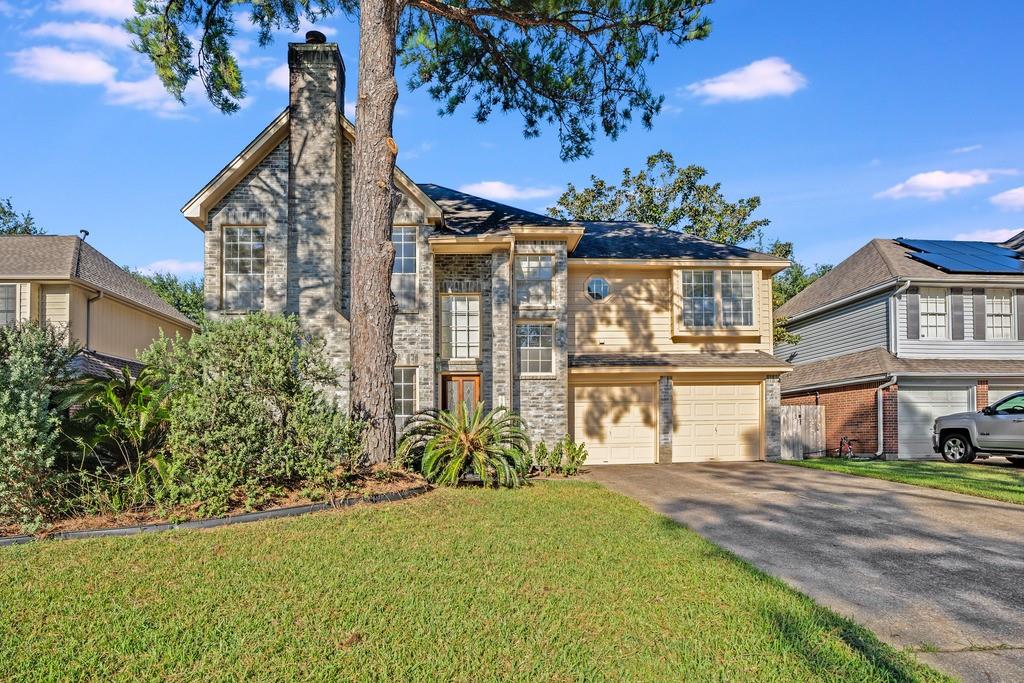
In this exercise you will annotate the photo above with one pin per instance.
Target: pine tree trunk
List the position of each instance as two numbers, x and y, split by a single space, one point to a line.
373 198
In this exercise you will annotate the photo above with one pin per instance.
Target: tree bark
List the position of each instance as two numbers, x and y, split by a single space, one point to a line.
373 207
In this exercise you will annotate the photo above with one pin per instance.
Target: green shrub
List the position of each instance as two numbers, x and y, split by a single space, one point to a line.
34 367
566 457
447 446
247 415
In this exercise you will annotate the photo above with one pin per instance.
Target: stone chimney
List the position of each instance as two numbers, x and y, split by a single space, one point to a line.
316 90
317 244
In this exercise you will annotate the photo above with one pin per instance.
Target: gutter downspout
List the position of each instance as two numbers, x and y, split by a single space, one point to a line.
88 317
880 402
894 319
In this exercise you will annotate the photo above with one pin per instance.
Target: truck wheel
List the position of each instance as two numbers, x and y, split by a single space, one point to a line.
957 448
1016 462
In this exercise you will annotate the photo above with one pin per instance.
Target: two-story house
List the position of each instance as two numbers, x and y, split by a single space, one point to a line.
904 331
648 345
63 281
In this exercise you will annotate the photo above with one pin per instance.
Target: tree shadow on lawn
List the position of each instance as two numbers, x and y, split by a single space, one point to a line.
831 646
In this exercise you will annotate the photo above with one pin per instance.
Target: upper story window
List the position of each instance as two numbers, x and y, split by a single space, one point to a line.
244 263
460 326
998 314
535 342
8 304
598 289
699 303
533 279
737 298
403 275
405 395
933 312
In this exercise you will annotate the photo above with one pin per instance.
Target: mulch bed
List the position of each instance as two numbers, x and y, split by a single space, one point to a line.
370 487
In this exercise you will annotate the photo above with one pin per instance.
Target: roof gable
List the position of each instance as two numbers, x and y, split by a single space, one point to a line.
198 207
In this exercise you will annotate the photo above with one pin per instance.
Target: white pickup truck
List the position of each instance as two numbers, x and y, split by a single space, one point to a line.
995 430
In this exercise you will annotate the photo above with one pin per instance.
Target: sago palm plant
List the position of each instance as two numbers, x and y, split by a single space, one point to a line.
449 445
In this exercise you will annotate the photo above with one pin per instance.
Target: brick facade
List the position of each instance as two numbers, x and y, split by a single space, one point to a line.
981 394
849 411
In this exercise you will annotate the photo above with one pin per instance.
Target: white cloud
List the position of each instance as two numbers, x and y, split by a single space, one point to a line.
278 77
85 31
994 235
8 9
416 151
174 267
1011 199
350 110
111 9
54 65
769 77
935 185
496 189
965 150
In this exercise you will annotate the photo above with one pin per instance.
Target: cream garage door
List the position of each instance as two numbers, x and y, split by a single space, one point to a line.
618 423
716 422
918 408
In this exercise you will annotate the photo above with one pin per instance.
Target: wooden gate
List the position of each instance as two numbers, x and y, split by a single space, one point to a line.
803 432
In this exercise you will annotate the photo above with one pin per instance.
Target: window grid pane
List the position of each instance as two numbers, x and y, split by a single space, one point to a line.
737 298
998 314
403 274
698 298
8 304
598 289
460 326
535 343
244 263
405 395
933 313
533 279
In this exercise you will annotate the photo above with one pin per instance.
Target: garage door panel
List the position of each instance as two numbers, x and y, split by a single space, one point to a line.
618 423
918 407
716 422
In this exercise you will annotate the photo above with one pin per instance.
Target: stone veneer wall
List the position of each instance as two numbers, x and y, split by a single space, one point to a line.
415 343
466 274
772 417
544 401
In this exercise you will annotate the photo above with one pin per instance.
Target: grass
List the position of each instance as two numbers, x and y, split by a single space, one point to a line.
986 481
559 581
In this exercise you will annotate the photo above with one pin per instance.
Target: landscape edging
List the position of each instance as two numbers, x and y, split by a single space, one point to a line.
245 517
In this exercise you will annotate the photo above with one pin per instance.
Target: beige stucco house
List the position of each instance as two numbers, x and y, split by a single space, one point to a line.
648 345
64 281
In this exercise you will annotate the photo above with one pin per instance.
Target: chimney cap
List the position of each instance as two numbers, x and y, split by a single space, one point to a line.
315 38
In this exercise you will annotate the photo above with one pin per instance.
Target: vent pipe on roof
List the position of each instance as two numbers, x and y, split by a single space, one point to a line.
83 233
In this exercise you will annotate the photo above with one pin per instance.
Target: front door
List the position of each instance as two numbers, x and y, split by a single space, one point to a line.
458 389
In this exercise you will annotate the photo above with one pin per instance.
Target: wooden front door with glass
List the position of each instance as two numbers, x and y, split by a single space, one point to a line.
460 389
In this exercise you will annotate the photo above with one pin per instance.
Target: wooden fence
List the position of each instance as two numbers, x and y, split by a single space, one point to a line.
803 432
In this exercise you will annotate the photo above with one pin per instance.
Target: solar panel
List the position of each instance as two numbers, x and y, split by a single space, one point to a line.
966 257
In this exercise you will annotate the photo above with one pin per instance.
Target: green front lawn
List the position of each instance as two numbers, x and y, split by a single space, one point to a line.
987 481
559 581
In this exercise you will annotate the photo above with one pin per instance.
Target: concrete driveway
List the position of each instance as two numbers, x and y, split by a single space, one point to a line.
940 573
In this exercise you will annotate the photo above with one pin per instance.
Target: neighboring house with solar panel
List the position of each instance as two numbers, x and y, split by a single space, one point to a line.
904 331
64 281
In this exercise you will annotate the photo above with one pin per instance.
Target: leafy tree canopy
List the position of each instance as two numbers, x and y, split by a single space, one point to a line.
185 295
13 223
565 63
666 195
797 278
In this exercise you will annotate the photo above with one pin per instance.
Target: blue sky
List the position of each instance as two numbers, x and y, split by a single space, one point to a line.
851 121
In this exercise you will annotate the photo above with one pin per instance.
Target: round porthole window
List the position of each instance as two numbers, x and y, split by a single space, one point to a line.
597 288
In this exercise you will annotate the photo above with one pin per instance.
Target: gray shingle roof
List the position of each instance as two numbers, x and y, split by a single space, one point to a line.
65 257
754 359
627 240
467 214
877 262
101 365
878 362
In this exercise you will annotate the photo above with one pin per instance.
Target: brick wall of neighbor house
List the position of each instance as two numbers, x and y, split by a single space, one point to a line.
981 394
543 401
849 411
466 274
890 421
